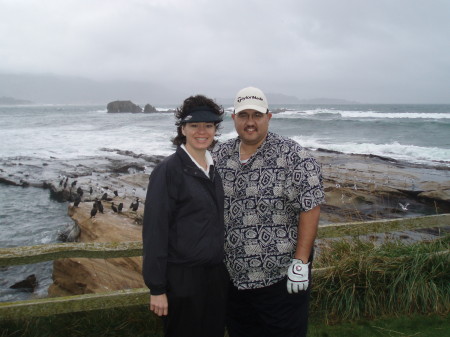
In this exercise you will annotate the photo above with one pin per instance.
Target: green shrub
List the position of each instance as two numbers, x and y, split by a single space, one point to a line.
370 280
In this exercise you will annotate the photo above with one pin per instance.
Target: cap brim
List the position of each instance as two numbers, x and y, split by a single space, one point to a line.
251 107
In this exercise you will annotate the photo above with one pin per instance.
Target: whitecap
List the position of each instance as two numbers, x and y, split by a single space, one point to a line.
361 114
394 150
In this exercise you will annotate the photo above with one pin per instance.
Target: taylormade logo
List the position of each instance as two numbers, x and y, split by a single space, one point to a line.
240 99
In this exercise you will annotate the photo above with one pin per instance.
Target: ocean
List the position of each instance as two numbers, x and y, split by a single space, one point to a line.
413 133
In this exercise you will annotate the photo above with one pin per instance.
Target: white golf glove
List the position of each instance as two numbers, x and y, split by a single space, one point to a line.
297 276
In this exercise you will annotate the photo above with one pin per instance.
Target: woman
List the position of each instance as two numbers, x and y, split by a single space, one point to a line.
183 232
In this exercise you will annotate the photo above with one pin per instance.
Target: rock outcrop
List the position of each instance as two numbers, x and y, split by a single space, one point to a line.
128 106
149 108
27 285
72 276
123 106
360 188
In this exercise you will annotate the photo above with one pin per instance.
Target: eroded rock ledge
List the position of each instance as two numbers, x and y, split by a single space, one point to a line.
73 276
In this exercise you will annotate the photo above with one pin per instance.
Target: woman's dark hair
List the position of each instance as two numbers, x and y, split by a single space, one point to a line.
188 104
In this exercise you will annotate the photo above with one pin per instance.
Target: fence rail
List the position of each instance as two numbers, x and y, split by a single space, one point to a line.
382 226
98 250
130 297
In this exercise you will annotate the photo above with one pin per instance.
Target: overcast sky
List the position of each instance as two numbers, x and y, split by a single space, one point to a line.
391 51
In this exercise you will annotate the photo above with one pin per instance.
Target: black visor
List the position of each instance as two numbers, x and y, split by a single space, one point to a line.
202 114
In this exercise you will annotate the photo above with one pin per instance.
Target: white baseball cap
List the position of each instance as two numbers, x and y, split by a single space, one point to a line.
251 98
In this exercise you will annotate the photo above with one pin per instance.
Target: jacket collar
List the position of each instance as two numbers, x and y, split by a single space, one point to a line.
189 166
208 158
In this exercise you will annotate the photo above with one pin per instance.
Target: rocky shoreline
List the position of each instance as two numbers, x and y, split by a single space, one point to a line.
357 188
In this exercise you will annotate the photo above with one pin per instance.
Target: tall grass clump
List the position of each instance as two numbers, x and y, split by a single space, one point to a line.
370 280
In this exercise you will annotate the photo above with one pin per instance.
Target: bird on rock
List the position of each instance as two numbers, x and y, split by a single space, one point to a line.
116 193
99 205
94 210
135 205
114 208
77 201
80 191
120 207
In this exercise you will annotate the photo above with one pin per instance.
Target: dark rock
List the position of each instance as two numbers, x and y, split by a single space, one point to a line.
71 233
149 108
123 106
8 182
128 168
28 285
61 195
154 159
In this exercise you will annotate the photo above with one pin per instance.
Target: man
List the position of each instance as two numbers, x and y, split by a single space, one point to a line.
273 189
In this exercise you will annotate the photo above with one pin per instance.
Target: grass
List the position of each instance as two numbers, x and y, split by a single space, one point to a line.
371 280
405 326
132 321
139 322
393 289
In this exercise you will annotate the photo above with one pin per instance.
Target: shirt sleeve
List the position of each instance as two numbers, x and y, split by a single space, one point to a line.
155 232
305 183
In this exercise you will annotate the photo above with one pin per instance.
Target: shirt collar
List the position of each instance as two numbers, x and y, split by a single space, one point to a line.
208 158
237 148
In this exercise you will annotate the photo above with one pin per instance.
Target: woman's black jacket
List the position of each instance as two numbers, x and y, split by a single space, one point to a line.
183 219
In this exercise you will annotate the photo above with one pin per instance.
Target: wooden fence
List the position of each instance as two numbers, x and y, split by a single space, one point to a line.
131 297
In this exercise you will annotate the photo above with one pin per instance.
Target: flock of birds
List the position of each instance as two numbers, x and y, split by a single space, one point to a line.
97 206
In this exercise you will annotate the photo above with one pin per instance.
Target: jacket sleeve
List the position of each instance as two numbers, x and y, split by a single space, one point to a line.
155 231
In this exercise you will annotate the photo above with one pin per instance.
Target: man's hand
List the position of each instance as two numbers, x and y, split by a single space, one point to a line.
159 304
297 276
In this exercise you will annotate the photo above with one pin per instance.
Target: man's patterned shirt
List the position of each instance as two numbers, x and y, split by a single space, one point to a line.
263 200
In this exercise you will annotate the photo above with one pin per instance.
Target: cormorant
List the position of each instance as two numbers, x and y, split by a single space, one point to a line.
77 201
80 191
114 208
120 207
91 190
105 196
99 205
135 205
94 210
74 183
116 193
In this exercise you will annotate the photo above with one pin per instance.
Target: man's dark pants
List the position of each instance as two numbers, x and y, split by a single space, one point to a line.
267 312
